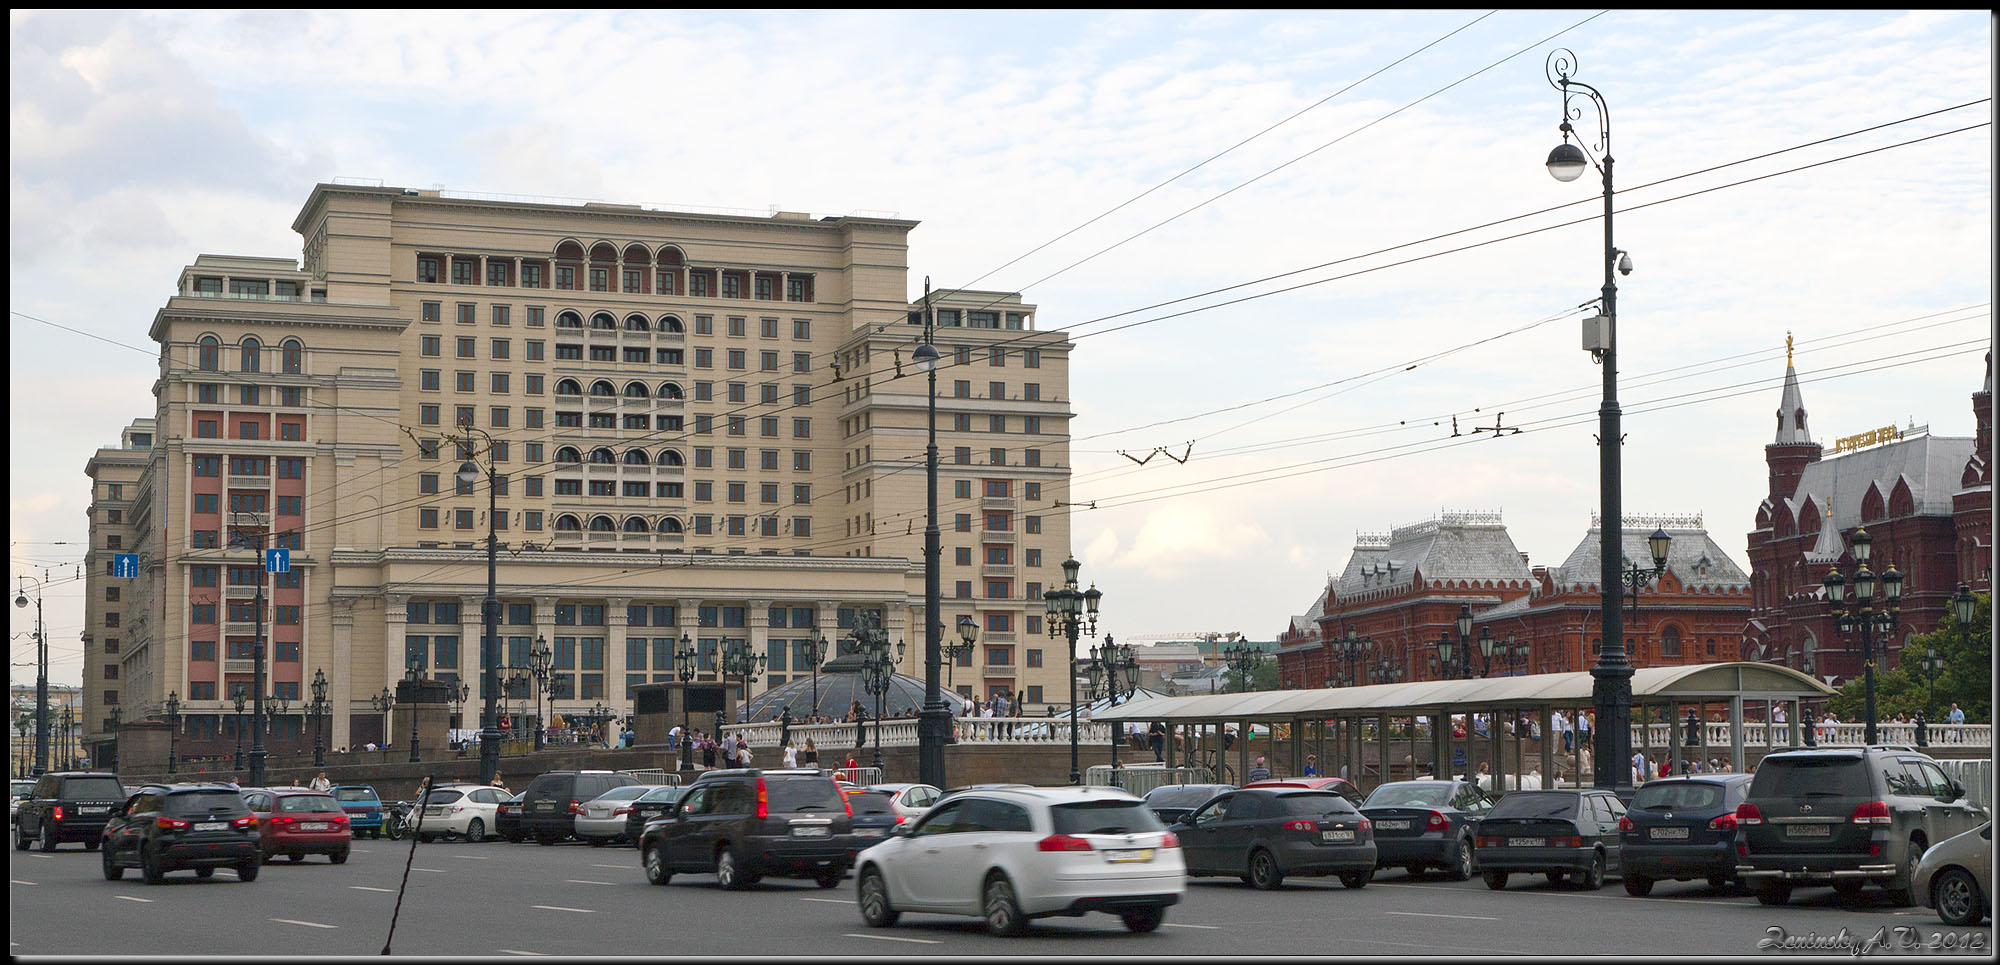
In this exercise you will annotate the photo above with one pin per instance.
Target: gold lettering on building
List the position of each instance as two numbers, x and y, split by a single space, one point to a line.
1888 433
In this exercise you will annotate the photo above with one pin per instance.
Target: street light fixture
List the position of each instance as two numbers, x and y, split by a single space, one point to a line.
877 671
383 701
1862 617
173 718
489 640
685 669
934 721
739 662
41 680
968 637
1611 678
1071 613
815 652
539 662
240 701
282 706
319 717
253 539
1108 662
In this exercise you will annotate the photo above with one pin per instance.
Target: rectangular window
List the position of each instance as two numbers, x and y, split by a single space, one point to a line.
427 518
736 358
531 277
704 358
568 353
963 590
208 465
433 311
1031 457
465 313
766 327
427 379
768 427
535 347
698 286
1031 391
600 279
498 412
427 271
1031 358
1033 524
962 555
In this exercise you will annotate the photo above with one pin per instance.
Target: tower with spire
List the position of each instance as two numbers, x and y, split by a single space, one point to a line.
1793 448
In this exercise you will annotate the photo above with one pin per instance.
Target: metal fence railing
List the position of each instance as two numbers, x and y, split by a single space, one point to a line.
859 776
654 775
1977 778
1141 778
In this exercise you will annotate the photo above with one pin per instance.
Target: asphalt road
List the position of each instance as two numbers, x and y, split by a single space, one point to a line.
571 900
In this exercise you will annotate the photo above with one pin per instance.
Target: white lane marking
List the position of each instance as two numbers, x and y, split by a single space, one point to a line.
1710 902
435 871
308 924
1175 924
472 857
386 891
17 881
836 901
580 911
892 938
1422 914
516 951
130 898
621 867
580 881
44 857
1370 941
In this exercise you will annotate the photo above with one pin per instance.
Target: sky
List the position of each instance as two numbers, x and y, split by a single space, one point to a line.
1097 162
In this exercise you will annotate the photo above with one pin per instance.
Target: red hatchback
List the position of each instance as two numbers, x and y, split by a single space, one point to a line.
299 823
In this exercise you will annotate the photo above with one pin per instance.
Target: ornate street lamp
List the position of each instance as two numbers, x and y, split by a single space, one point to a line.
240 701
117 717
934 721
739 662
1611 678
539 662
877 671
1862 617
1932 665
1108 662
174 718
41 680
248 539
685 669
1070 613
1636 578
968 636
1243 660
281 706
815 652
319 717
383 701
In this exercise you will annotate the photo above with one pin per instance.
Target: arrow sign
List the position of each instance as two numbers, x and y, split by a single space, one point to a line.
125 565
278 561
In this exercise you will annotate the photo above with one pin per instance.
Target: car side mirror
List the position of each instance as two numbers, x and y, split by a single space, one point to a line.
901 830
1953 790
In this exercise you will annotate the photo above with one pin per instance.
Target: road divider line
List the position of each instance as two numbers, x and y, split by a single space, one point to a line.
1557 894
1425 914
1175 924
435 871
516 951
44 857
580 881
836 901
621 867
472 857
130 898
308 924
17 881
892 938
580 911
386 891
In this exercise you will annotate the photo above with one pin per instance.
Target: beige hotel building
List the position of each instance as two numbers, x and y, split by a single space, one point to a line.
707 425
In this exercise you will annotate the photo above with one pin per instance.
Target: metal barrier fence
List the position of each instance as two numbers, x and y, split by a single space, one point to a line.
1977 778
654 775
1142 778
860 776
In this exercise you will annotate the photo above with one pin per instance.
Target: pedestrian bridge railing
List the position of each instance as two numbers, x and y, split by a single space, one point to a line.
1141 778
1828 735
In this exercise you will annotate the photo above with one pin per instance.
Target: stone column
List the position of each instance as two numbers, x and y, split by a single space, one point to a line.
340 682
757 617
471 627
396 618
615 614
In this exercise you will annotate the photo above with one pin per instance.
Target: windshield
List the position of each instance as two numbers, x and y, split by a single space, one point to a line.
1535 804
1408 795
307 803
870 802
1804 776
630 792
803 794
355 794
203 802
77 788
1103 817
1677 797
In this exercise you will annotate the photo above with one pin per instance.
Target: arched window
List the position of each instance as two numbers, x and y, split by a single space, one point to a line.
568 454
568 387
603 320
668 524
602 524
636 390
293 356
671 457
637 457
208 353
602 456
637 323
669 323
569 320
603 388
567 523
671 390
1670 642
253 352
637 524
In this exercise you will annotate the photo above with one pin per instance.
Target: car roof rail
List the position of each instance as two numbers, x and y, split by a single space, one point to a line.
1892 747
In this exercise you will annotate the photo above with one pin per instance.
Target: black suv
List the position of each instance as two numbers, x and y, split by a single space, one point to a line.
551 803
1682 828
748 823
67 806
1846 817
173 827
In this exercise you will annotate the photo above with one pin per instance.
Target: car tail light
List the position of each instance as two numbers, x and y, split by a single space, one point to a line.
1170 840
1747 815
1487 842
1625 823
900 819
1572 841
1302 825
1436 822
848 804
1062 842
1872 812
621 811
56 815
1367 825
1723 822
247 821
764 800
1742 849
576 807
170 824
340 819
1874 849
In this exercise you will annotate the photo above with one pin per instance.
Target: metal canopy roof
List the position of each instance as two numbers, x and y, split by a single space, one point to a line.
1714 681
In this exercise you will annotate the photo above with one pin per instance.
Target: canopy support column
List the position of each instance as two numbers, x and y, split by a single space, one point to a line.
1736 734
1548 747
1298 743
1441 745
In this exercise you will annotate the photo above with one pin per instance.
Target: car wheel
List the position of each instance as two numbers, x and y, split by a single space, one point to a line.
1956 895
338 857
90 844
1143 920
1774 893
112 872
204 872
149 866
48 842
476 831
1461 869
1903 895
426 838
247 871
1002 910
1638 886
729 874
829 878
545 839
1720 882
1356 879
1592 878
296 857
1264 873
21 840
876 911
596 842
655 861
1495 880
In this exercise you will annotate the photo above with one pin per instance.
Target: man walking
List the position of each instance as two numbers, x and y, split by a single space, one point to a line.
1258 772
1956 716
320 783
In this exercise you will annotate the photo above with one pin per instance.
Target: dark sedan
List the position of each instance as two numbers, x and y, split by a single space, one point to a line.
653 804
1682 828
507 819
874 816
1421 825
1265 834
1561 834
1172 802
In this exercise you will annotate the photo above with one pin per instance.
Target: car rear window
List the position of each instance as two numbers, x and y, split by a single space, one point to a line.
1670 797
870 802
1779 777
1103 817
1535 804
802 794
1408 795
664 794
448 795
307 803
1183 796
205 802
551 785
354 794
106 788
628 793
1315 802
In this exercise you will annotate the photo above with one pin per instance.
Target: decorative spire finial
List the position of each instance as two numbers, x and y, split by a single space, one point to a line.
1788 350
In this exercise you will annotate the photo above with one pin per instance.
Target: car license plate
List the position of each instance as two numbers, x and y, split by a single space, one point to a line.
1527 842
810 831
212 826
95 809
1129 854
545 806
1393 825
1660 833
433 811
1336 835
313 826
1809 830
867 832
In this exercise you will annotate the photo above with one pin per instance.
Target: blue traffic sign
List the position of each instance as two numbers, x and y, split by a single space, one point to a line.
125 565
278 561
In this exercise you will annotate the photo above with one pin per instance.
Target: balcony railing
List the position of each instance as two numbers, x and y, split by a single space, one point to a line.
258 297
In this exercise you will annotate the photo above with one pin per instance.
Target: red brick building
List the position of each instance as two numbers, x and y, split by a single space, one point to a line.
1927 500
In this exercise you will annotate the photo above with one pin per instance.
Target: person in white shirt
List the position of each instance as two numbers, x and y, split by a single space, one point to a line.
791 756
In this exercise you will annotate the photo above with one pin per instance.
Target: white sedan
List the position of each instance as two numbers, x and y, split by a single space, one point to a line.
909 801
469 811
1012 855
603 818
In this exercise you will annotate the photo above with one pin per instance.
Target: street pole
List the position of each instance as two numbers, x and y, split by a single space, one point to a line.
489 641
173 735
41 682
684 668
934 721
